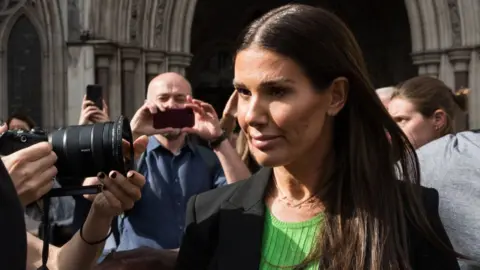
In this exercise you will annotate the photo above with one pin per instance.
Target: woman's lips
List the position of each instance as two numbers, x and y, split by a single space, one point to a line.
264 142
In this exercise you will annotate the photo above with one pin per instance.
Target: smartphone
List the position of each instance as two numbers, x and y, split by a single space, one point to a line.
95 94
174 118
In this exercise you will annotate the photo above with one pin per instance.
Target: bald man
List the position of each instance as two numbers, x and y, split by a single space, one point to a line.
175 166
385 94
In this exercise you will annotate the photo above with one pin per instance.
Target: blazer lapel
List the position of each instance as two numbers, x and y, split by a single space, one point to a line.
241 230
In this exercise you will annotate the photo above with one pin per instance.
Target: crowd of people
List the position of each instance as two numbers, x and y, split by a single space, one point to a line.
325 172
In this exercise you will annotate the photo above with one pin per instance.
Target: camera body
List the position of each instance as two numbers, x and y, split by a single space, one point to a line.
15 140
82 151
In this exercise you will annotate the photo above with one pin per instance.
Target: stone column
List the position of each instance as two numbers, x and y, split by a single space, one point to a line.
428 63
179 61
131 94
474 96
80 72
105 54
460 60
154 65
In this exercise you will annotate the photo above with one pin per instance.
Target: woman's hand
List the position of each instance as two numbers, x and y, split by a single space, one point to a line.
231 106
119 194
139 146
32 170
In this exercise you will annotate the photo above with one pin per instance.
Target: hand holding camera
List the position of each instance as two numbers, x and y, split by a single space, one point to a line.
119 193
206 124
32 170
139 146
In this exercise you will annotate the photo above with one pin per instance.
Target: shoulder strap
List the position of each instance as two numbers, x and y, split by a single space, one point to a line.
115 230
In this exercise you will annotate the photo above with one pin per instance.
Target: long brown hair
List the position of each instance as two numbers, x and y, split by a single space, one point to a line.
367 209
429 94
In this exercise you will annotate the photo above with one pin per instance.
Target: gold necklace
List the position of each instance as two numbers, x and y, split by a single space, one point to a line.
289 202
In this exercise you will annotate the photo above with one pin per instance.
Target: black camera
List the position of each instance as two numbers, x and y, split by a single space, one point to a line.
82 151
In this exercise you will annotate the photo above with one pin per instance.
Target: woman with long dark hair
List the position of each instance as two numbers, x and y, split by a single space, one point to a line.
330 195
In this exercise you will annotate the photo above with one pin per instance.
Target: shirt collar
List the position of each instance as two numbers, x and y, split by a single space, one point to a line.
154 144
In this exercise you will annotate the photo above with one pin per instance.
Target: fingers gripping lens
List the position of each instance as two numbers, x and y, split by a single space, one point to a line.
84 151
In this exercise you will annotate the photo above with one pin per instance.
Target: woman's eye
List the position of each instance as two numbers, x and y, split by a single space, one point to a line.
400 120
243 92
278 92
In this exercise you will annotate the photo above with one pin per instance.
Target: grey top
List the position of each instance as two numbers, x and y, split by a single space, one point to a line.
451 165
61 210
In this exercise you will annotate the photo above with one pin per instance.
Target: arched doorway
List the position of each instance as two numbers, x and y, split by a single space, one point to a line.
24 66
382 30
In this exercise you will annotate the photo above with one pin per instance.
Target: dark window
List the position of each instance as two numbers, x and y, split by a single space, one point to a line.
25 70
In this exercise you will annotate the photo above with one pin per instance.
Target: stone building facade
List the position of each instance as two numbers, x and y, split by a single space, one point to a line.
50 50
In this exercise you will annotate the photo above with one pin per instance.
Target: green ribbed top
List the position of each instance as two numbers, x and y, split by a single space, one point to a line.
287 244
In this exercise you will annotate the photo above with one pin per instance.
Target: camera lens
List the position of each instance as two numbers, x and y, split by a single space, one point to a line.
84 151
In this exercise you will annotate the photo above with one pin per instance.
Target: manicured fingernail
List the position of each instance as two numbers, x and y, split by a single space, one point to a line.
130 174
113 175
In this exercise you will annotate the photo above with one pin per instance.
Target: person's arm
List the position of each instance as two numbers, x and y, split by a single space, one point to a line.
119 195
228 123
76 254
34 253
233 166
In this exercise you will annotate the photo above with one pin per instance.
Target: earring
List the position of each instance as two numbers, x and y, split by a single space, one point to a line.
436 128
330 113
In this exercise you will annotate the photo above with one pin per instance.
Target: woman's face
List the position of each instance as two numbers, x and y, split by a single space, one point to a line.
17 124
282 115
420 130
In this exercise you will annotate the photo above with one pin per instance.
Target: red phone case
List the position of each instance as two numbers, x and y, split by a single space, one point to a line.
174 118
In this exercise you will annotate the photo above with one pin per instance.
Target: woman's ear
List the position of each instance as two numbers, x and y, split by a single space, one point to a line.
339 93
439 119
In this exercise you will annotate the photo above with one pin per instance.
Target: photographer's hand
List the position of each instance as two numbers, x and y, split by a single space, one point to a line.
207 124
142 121
139 146
119 195
32 170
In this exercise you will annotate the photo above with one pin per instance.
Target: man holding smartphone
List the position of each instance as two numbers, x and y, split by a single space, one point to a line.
175 165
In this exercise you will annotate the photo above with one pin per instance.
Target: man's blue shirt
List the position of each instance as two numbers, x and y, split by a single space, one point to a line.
158 218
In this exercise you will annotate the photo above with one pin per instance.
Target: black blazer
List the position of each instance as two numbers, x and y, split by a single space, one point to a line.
225 226
13 253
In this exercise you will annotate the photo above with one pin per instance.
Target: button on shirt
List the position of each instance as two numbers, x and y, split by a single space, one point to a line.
158 219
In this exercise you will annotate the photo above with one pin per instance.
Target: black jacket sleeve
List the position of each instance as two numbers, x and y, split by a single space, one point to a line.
12 225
